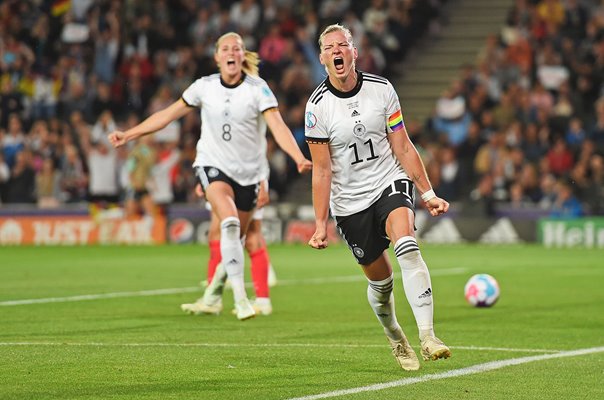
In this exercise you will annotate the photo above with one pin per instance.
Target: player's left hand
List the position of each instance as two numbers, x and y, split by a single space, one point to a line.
263 195
437 206
304 166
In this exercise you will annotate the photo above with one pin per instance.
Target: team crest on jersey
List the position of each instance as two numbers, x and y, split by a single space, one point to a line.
359 130
311 120
213 172
358 252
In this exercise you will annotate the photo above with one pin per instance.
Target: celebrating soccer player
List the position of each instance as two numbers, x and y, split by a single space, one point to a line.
365 169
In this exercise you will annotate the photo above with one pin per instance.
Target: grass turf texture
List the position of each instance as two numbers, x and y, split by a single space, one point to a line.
322 336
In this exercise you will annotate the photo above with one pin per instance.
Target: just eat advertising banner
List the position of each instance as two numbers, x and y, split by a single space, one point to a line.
80 230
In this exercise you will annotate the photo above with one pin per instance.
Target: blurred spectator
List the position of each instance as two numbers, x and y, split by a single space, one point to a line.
22 182
566 204
139 166
4 178
48 185
163 174
102 162
13 141
73 177
559 157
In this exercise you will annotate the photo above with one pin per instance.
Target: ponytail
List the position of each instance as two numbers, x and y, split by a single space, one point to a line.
250 64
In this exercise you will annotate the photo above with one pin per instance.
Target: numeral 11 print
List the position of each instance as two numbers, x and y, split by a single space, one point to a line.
356 153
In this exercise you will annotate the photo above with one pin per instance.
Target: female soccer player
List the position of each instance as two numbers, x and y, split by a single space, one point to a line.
231 146
365 169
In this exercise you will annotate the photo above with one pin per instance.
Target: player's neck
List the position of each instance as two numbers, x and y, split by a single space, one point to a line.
347 84
232 80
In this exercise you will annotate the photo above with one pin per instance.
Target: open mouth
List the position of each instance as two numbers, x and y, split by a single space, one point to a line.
230 62
338 63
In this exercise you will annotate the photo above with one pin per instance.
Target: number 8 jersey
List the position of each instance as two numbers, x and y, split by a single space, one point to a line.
233 129
355 125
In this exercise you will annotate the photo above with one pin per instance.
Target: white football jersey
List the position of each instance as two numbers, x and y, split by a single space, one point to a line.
355 125
233 129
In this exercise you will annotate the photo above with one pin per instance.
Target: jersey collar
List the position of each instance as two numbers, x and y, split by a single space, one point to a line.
345 95
234 85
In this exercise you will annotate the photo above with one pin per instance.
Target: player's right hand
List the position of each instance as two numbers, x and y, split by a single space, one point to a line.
318 240
117 138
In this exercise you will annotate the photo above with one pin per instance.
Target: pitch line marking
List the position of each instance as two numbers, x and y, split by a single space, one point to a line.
308 345
473 369
160 292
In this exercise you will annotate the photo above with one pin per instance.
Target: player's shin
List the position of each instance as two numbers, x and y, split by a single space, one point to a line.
417 284
381 300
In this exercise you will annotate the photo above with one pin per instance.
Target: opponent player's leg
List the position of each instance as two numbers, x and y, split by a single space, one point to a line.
256 248
416 280
214 245
381 300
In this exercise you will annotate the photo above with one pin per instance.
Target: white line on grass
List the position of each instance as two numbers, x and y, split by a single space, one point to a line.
160 292
473 369
308 345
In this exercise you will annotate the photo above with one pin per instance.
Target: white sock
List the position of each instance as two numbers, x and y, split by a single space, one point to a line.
381 300
232 255
416 281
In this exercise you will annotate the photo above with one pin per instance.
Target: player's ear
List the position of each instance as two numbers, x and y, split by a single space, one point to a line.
321 59
355 53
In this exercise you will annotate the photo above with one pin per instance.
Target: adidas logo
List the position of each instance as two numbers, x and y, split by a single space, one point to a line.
501 232
232 261
444 231
355 113
427 293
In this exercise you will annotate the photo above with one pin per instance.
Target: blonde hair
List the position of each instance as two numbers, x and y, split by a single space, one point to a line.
251 61
333 28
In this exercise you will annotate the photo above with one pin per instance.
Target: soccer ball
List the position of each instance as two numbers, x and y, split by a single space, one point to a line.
482 290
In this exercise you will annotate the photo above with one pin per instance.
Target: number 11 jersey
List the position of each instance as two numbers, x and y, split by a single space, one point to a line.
355 125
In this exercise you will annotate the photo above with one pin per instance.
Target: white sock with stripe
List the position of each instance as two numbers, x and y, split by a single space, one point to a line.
381 300
416 281
232 255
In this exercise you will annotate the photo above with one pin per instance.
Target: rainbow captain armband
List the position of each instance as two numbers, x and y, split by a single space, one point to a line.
395 121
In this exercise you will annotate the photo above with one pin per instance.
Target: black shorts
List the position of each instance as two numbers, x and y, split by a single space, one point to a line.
245 196
365 231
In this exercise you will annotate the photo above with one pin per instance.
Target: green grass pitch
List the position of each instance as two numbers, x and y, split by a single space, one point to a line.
321 337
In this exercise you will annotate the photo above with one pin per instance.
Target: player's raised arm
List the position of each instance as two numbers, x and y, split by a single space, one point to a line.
285 139
153 123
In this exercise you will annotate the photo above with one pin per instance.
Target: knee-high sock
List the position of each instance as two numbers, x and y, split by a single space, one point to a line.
259 260
381 300
416 281
215 258
232 255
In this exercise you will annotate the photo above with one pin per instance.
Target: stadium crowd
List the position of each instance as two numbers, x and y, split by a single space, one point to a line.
524 125
69 70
